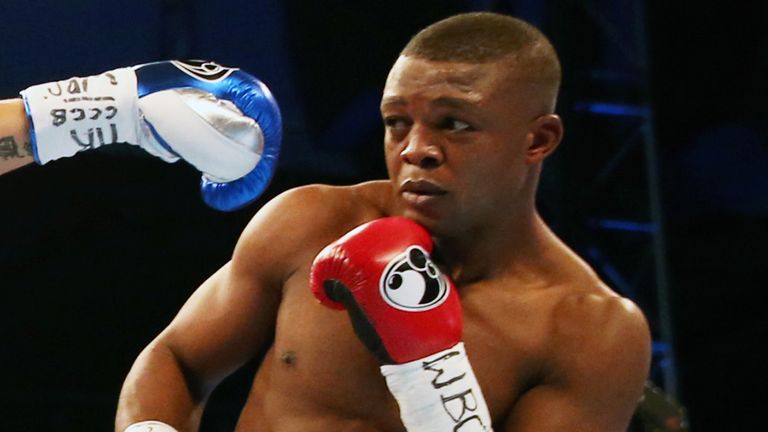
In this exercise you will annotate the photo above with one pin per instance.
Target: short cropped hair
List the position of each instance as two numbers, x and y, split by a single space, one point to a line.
480 37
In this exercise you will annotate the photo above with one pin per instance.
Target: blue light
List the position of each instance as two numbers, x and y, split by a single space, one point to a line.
660 347
624 225
611 109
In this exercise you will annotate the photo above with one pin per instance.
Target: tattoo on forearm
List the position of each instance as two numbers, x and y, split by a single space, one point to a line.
28 148
9 149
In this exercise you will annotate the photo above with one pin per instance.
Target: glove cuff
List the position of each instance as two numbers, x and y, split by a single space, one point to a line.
79 114
438 393
150 426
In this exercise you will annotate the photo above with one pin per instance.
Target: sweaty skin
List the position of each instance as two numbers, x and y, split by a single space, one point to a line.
553 348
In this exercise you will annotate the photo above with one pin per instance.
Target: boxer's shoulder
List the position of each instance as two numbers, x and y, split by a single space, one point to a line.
375 195
321 205
587 313
582 309
595 331
335 207
302 220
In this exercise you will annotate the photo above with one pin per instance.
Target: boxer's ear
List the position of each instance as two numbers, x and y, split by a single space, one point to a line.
544 136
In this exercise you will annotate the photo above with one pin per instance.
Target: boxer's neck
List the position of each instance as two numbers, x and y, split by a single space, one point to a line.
515 244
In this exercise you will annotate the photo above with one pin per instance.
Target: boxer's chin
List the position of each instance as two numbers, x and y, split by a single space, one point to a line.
432 220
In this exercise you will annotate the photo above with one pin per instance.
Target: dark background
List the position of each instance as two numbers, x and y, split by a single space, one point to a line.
98 252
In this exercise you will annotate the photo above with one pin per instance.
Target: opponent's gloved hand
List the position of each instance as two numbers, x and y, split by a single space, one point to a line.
408 314
221 120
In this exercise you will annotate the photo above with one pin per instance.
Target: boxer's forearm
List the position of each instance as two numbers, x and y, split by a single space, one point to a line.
15 148
156 389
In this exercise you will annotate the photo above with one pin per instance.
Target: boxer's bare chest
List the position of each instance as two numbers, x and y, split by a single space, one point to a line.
318 371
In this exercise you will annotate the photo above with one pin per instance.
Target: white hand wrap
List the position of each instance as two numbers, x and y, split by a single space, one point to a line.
83 113
439 393
150 426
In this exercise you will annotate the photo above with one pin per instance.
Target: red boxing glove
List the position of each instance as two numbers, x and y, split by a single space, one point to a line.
408 314
401 306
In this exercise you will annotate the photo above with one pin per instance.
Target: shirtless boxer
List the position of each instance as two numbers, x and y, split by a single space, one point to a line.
468 109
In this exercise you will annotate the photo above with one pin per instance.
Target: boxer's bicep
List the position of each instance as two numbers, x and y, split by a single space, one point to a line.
553 409
225 323
548 409
599 406
15 148
231 318
217 330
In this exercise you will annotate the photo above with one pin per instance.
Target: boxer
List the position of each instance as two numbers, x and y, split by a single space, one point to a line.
221 120
462 310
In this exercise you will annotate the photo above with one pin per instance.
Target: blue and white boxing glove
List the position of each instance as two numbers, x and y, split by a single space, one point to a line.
221 120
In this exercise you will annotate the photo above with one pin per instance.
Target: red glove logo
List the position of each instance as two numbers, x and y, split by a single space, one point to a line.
411 282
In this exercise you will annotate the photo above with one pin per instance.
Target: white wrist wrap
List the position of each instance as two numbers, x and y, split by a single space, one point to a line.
83 113
150 426
439 393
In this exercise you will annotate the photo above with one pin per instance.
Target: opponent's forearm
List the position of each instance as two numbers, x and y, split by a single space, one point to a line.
157 389
15 148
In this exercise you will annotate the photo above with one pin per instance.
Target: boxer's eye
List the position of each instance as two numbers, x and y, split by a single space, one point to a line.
396 123
454 125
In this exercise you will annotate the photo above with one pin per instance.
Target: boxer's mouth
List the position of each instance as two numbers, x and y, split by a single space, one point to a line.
421 188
